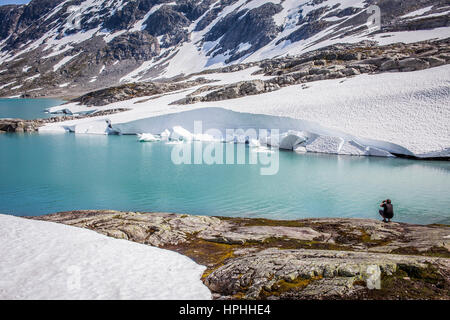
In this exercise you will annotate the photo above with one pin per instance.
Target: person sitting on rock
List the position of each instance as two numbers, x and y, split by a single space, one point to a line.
388 210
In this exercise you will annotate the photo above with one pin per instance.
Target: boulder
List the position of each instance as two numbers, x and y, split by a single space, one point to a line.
435 61
389 65
412 64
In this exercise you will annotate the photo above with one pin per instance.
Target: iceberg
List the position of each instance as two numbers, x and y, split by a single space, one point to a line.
205 137
147 137
165 135
181 134
254 143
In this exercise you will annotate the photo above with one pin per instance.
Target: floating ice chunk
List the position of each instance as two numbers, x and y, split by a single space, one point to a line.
264 140
205 137
291 139
240 139
352 148
254 143
300 149
271 141
165 135
262 149
147 137
180 133
325 144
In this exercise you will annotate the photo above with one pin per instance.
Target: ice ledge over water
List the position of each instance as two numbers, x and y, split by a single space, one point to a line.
406 113
296 135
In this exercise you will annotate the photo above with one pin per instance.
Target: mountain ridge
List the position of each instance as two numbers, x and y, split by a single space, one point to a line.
61 47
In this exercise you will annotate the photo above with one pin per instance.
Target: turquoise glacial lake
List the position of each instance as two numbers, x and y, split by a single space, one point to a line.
26 108
46 173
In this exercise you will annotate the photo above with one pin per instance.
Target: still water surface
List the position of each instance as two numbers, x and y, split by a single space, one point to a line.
42 173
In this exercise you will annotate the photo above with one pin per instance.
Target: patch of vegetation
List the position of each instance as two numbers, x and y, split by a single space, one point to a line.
211 254
289 243
410 282
366 239
439 225
282 287
250 222
439 252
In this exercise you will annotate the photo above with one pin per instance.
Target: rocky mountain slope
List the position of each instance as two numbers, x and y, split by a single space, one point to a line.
69 47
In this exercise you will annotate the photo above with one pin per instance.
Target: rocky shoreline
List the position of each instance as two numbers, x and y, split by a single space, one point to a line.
21 125
330 258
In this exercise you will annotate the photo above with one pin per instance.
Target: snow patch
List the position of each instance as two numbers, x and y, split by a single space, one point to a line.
46 260
64 61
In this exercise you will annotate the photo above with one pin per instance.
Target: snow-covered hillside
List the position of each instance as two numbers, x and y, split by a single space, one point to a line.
405 113
45 260
73 46
311 66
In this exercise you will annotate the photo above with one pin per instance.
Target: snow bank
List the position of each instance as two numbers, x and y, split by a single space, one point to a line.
291 139
406 113
325 144
255 130
44 260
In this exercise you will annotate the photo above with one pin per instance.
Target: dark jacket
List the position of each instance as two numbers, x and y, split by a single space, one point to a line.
388 210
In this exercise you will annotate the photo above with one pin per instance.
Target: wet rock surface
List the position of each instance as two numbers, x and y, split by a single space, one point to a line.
299 259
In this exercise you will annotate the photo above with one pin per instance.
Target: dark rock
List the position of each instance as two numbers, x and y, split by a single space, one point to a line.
9 15
388 65
169 23
434 61
255 27
137 45
411 64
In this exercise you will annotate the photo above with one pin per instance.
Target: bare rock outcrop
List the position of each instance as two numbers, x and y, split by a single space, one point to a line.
20 125
330 258
333 62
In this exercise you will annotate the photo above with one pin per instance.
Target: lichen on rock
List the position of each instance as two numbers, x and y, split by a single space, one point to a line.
332 258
